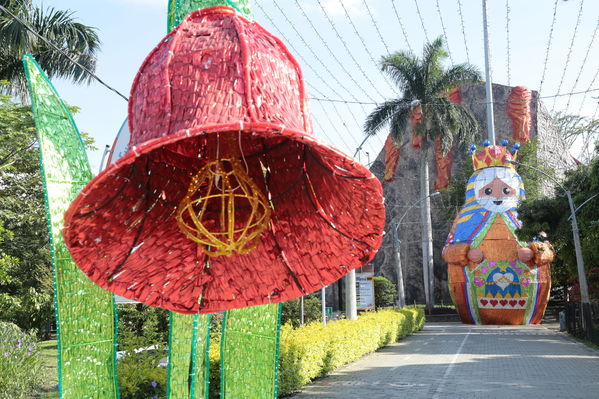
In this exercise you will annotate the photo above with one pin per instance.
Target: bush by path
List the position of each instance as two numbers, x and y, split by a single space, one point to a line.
315 350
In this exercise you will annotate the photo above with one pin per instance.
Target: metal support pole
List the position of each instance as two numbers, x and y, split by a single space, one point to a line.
489 82
323 301
401 295
582 278
351 309
302 310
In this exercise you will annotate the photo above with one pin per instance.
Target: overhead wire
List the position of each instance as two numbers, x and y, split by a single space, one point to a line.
326 45
444 32
463 30
548 46
507 34
316 57
376 27
569 51
299 55
584 61
585 94
421 21
347 48
401 25
351 22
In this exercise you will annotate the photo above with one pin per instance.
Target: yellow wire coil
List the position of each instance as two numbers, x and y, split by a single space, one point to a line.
224 211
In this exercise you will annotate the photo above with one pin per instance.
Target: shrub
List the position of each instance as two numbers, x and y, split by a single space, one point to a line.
314 350
385 292
139 374
20 368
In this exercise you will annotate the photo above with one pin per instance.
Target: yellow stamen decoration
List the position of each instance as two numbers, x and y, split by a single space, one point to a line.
224 210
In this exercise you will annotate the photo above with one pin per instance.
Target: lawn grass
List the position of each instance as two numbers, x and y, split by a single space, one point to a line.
49 358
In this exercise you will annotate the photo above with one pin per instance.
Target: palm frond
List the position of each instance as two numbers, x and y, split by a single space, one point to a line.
383 114
79 41
456 76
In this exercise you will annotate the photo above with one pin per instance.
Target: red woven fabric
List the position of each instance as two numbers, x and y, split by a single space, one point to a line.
216 75
518 109
392 153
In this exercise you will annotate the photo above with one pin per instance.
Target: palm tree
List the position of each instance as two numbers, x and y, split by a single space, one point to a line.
424 84
79 41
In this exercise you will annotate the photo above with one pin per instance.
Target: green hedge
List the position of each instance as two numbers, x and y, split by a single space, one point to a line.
315 350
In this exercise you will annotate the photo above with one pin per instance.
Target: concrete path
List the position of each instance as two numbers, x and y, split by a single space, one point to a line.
452 360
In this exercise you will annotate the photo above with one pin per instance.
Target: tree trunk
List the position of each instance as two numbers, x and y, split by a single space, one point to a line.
427 235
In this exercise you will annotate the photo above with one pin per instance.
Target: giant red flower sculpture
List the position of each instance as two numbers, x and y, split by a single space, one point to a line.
224 198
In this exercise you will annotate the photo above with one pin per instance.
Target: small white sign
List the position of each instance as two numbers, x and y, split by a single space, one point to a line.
364 291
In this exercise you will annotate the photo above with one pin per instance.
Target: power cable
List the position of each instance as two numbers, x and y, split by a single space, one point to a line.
308 47
401 25
326 45
444 32
585 94
49 43
507 34
376 27
351 22
299 55
548 46
463 30
584 61
347 47
421 21
569 51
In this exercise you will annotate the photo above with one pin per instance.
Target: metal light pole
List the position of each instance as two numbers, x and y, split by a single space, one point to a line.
582 278
489 81
351 307
302 311
401 300
323 301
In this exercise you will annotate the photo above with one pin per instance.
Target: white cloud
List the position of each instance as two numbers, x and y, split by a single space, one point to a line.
353 7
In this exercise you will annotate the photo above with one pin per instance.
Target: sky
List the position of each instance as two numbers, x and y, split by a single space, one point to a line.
338 44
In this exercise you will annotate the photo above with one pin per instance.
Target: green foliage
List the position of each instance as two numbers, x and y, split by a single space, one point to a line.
20 367
139 374
385 292
26 289
142 322
81 42
26 284
291 310
550 215
314 350
424 82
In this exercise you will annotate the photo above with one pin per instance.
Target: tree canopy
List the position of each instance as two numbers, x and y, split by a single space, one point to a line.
424 82
551 215
26 283
79 41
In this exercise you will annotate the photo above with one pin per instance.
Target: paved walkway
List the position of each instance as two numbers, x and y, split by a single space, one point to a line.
452 360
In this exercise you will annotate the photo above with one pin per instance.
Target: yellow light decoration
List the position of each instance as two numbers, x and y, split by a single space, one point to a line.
224 210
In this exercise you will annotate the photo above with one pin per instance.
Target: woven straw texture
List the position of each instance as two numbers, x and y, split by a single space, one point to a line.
249 352
178 9
218 76
84 312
